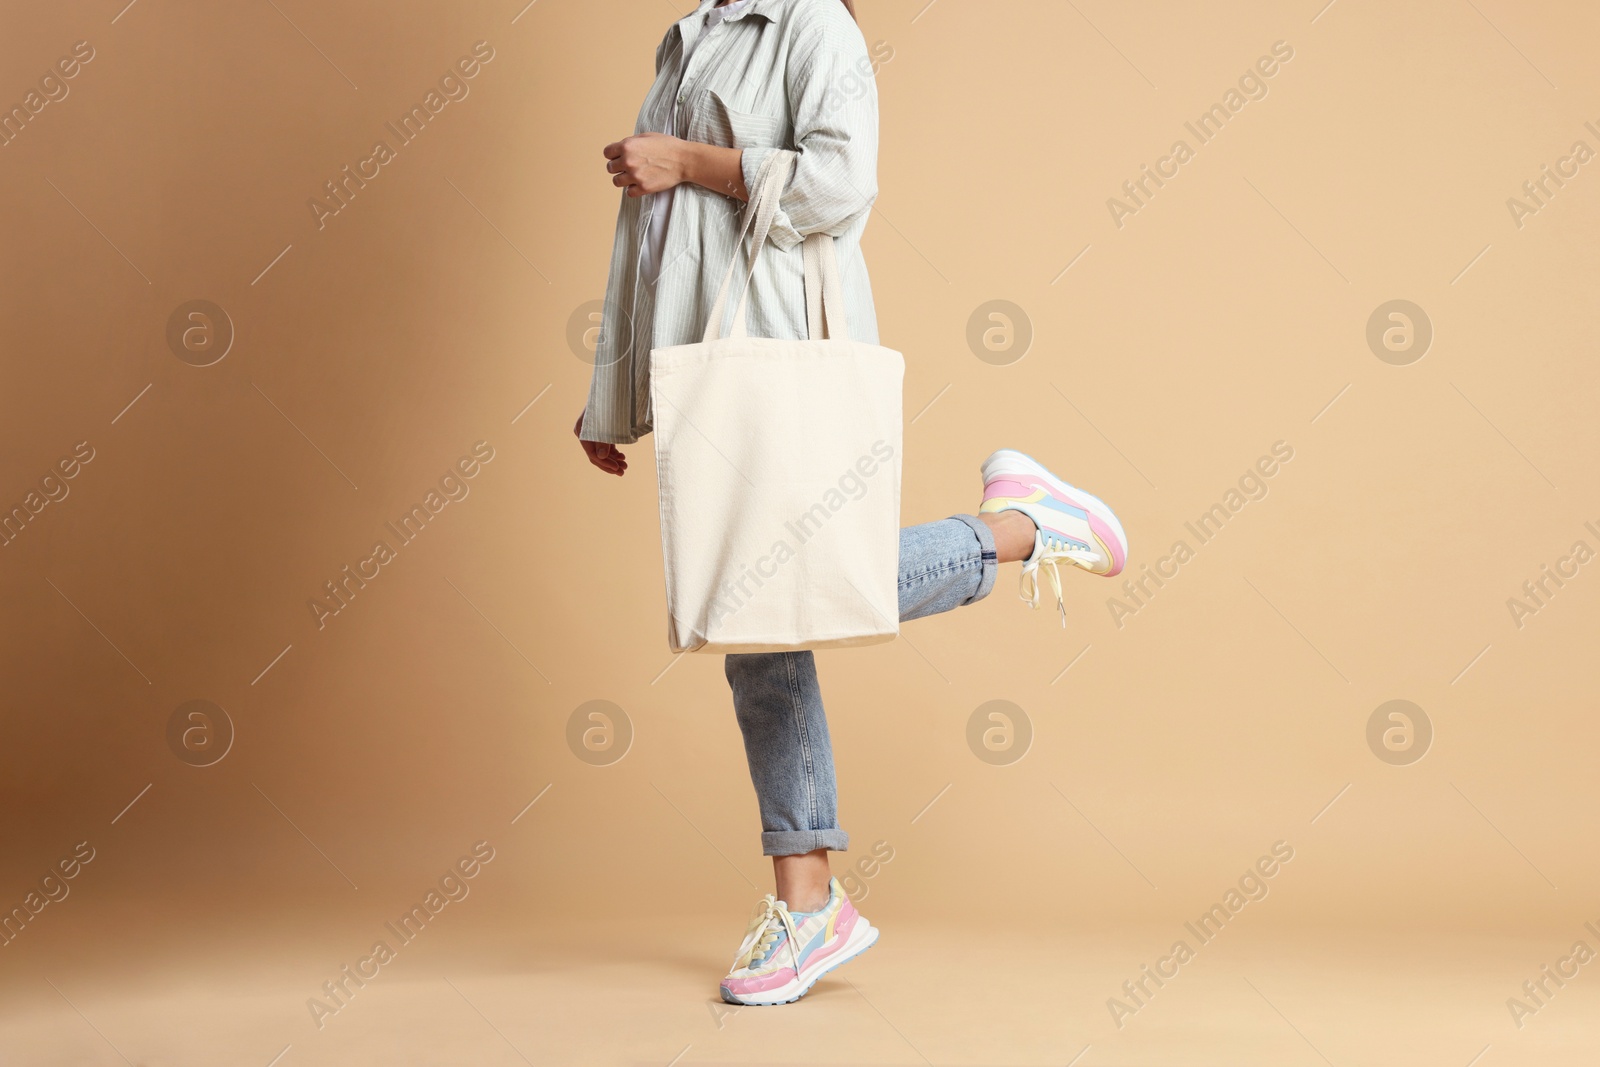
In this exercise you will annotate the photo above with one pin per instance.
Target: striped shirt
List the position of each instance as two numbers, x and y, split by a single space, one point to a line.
791 74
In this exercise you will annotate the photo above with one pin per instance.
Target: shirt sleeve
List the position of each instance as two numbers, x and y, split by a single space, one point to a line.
833 101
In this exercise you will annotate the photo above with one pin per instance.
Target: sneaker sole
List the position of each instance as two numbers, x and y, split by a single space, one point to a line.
863 937
1010 459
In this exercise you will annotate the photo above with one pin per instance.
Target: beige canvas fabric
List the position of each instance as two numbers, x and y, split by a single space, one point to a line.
779 467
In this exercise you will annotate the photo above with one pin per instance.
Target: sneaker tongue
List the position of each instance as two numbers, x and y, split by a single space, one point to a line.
762 955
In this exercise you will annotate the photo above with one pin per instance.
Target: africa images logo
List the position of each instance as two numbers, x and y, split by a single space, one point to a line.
453 86
1252 85
453 487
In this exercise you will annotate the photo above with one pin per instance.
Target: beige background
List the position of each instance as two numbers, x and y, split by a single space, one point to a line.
1230 712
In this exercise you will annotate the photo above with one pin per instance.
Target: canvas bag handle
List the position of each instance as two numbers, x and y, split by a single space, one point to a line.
824 291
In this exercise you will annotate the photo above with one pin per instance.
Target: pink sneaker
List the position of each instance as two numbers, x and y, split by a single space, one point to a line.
1073 527
783 954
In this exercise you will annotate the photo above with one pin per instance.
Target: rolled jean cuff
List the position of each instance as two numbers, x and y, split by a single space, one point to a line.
799 842
991 556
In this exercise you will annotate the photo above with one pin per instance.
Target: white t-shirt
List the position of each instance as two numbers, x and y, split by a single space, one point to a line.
660 206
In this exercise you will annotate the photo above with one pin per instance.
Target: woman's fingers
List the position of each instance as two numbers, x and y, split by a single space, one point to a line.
615 165
605 456
602 454
615 461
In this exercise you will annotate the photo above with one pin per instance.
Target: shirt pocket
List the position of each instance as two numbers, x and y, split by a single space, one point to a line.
714 122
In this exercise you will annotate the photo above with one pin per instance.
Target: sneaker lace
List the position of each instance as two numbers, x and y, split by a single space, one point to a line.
771 919
1048 552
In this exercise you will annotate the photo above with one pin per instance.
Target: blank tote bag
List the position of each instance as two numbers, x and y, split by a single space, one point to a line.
779 469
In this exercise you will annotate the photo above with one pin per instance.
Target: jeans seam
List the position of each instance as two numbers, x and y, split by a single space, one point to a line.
943 568
797 704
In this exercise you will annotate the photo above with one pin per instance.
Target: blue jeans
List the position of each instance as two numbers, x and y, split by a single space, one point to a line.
943 565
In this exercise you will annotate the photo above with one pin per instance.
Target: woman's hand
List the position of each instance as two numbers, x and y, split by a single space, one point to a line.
647 163
601 454
654 162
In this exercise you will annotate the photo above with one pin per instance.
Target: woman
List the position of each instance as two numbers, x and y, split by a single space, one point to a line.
734 80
